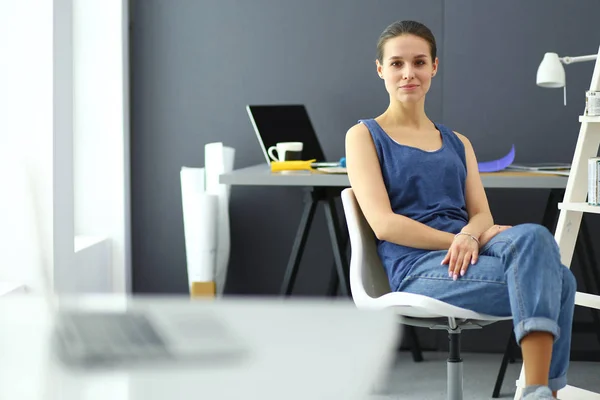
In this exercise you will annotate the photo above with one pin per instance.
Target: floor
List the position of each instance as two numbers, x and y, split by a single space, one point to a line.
427 380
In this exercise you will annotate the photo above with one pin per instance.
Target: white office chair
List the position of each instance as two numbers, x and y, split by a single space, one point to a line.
370 290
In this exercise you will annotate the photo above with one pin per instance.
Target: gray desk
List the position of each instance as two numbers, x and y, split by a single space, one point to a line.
261 175
321 187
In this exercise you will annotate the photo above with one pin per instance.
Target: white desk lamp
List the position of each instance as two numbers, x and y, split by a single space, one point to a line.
551 73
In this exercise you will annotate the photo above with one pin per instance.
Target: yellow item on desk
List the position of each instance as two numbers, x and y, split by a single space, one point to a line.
296 165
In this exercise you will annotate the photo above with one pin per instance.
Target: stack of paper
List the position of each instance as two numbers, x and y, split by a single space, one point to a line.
535 167
543 168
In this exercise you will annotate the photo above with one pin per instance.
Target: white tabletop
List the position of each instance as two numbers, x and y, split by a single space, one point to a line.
298 350
261 175
7 288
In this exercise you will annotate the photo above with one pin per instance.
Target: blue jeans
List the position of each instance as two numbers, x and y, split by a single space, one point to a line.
518 273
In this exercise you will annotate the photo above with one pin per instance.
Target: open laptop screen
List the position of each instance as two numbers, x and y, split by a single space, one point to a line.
285 123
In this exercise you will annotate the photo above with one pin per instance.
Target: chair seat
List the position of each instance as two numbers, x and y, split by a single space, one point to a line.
420 306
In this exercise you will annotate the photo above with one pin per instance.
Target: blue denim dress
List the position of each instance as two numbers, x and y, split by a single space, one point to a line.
427 186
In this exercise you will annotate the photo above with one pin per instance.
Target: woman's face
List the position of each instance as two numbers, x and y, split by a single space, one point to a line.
407 68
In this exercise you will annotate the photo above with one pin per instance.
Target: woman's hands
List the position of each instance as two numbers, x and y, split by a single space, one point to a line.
491 232
465 250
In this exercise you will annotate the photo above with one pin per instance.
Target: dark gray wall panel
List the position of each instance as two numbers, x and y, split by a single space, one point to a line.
491 54
195 65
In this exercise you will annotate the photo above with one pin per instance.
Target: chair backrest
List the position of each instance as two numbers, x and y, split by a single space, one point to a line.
368 279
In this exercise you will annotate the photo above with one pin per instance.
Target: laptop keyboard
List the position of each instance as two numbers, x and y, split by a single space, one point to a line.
91 337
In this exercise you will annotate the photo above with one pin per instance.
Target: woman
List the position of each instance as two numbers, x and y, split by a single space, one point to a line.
418 185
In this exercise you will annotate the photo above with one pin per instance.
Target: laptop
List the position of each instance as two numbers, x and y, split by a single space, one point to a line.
285 123
127 335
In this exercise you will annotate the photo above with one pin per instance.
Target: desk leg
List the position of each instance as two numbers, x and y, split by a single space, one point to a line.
334 282
551 212
310 206
589 250
336 244
587 259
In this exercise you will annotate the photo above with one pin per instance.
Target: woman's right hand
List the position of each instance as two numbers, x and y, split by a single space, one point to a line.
491 232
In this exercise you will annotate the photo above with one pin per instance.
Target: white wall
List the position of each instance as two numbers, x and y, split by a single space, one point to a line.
101 129
92 255
26 136
64 147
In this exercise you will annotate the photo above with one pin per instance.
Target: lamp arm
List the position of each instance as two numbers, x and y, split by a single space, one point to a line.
570 60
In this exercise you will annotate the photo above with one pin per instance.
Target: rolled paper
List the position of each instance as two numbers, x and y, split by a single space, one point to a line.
219 159
200 226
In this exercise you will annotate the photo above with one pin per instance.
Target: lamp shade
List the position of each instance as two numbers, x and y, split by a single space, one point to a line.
550 73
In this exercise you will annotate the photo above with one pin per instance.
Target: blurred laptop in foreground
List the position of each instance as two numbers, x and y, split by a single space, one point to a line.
174 348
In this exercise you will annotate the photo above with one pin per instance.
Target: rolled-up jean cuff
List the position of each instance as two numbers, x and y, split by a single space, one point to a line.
536 324
556 384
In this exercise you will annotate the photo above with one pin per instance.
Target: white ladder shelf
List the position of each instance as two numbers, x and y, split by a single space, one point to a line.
571 211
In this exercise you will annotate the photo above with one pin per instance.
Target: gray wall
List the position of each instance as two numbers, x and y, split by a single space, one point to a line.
196 64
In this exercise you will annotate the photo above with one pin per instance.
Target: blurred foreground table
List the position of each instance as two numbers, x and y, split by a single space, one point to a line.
296 350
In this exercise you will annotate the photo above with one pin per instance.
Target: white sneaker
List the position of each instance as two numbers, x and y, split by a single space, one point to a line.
543 393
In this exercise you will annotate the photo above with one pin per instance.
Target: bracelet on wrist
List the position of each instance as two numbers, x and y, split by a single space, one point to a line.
467 234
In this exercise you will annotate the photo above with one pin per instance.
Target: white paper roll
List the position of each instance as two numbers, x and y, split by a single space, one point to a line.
219 159
200 212
192 180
